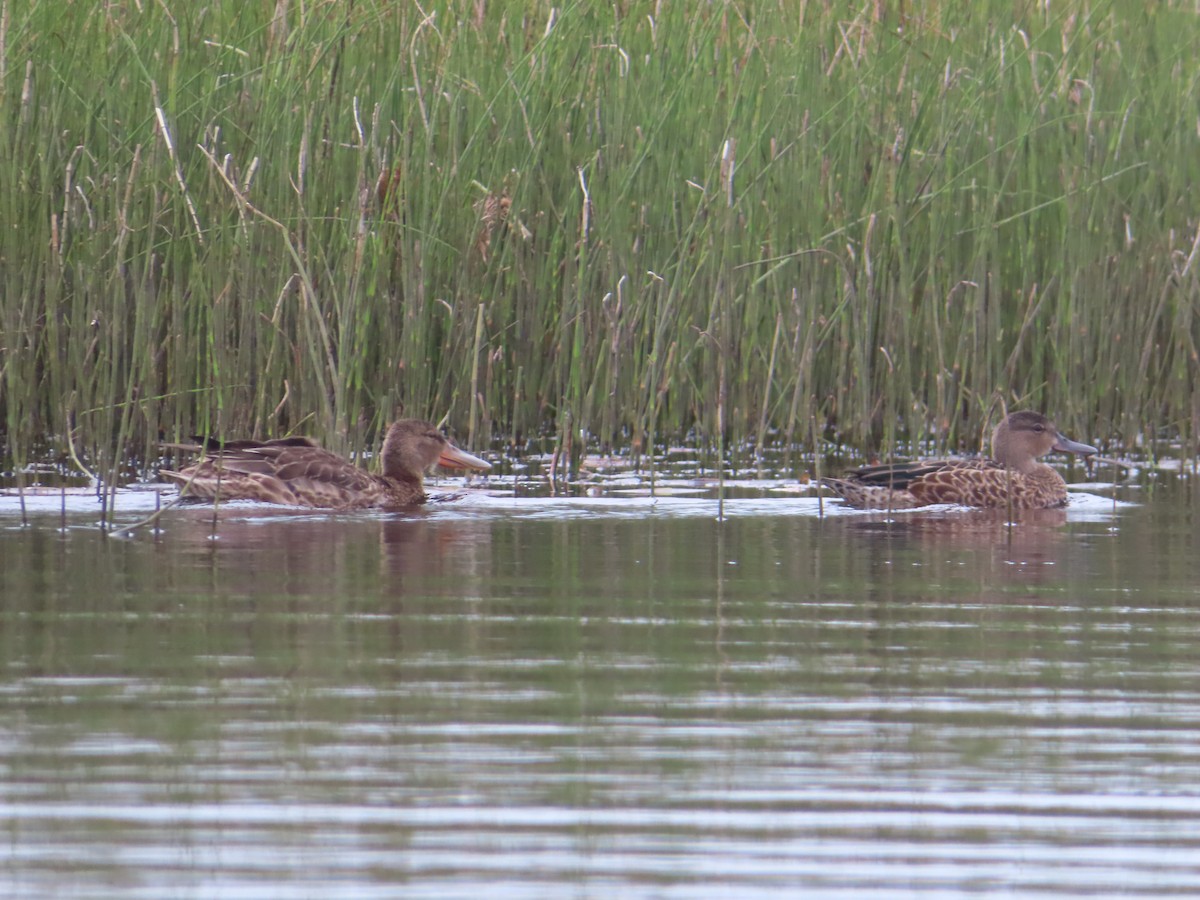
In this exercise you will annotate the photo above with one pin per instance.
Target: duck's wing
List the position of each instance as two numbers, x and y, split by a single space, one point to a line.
322 467
310 474
292 471
216 445
275 444
283 460
903 475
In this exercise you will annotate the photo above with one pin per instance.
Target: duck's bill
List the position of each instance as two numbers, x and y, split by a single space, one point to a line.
453 458
1065 445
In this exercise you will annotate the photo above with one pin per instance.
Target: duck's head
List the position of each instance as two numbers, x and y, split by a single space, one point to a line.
1024 436
413 446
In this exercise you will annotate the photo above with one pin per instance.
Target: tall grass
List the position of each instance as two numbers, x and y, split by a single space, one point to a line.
612 224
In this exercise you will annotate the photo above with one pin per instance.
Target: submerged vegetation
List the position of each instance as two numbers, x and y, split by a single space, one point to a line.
604 224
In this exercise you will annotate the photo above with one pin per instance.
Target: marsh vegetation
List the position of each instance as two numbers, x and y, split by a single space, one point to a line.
595 224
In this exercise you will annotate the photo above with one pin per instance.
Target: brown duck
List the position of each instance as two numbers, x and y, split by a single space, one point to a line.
298 472
1012 477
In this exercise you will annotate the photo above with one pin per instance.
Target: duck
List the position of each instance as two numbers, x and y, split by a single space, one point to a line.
1011 478
297 471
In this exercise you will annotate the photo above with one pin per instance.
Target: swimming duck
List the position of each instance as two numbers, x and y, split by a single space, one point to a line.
1012 476
297 471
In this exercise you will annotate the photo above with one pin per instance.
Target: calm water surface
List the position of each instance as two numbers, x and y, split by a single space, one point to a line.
602 697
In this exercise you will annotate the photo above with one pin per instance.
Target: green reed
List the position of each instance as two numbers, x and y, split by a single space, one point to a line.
598 225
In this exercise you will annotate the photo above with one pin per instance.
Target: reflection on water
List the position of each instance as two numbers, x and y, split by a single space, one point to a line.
548 698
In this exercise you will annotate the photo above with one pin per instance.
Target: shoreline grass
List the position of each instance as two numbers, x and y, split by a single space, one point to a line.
738 224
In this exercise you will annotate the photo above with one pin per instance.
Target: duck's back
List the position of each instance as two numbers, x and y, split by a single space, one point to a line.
903 475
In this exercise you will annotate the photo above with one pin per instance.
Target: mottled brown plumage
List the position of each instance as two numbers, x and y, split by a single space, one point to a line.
298 472
1013 477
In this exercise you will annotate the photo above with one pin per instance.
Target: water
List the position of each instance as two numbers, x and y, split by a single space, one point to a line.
602 696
